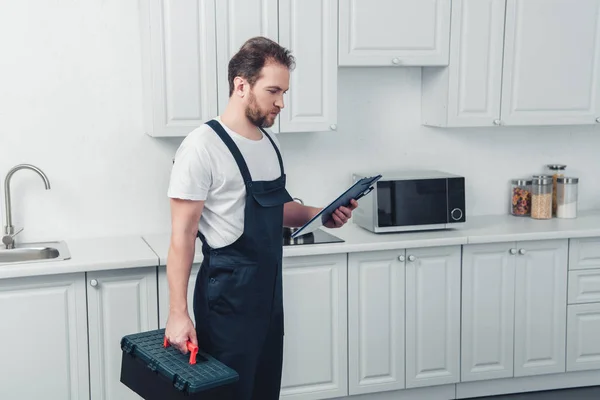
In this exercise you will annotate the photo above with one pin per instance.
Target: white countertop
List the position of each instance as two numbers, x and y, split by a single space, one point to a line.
89 255
149 250
480 229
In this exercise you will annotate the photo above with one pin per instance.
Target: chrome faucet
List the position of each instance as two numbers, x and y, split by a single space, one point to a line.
9 229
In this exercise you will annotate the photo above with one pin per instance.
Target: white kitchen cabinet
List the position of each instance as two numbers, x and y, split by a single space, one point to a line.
163 294
540 307
488 298
551 62
583 333
517 62
179 65
44 338
309 28
584 286
238 21
120 302
433 316
394 32
584 253
468 91
315 362
376 318
514 309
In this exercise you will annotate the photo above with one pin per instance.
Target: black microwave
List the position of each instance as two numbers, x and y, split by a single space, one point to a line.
412 200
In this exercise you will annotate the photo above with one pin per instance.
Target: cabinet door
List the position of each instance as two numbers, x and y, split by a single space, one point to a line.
551 62
468 92
433 316
315 343
44 338
376 321
120 302
540 307
163 294
179 68
309 29
392 32
238 21
476 62
583 331
488 298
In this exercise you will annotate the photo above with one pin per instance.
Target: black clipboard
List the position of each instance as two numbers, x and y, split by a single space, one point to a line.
359 189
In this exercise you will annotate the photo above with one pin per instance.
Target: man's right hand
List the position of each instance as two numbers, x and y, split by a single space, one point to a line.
179 331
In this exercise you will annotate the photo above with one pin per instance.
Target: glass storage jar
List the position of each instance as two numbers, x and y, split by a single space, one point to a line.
556 171
541 197
520 193
567 188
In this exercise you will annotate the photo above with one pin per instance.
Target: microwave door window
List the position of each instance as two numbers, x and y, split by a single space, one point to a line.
419 202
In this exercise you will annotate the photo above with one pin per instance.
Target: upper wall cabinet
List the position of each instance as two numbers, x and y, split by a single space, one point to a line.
309 28
239 20
186 55
517 62
394 32
179 68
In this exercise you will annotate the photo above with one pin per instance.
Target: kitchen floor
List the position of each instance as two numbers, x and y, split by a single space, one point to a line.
588 393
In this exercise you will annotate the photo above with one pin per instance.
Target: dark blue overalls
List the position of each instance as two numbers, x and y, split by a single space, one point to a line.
238 303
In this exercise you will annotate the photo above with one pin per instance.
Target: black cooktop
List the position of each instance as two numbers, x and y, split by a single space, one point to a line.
316 237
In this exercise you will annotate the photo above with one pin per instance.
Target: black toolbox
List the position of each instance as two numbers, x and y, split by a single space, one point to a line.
156 371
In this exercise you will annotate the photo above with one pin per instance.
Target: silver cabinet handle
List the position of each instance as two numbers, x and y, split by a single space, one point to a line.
395 61
401 258
513 251
411 258
93 283
522 251
598 119
497 122
333 127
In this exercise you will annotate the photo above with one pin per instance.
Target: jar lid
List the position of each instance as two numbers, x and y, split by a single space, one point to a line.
542 176
542 180
556 167
521 182
567 179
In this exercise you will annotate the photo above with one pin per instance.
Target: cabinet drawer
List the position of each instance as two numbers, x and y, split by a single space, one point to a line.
584 286
584 253
583 331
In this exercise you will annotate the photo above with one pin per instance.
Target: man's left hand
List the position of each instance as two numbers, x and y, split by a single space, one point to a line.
341 215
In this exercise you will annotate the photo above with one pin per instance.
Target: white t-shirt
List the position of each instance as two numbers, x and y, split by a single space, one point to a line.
205 169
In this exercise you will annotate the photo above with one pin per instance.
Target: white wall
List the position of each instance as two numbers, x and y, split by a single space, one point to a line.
70 103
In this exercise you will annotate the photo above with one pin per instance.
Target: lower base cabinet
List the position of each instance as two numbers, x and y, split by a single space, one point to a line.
514 298
44 338
120 302
315 342
403 318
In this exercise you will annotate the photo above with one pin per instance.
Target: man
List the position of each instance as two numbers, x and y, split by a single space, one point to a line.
228 187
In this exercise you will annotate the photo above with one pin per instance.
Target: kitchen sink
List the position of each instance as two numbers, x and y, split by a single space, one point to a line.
35 252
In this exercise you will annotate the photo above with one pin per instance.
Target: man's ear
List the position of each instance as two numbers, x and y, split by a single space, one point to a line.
239 86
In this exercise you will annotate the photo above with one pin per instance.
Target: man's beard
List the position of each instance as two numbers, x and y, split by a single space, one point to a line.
256 116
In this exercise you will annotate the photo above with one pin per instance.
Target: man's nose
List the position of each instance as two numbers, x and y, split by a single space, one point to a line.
279 102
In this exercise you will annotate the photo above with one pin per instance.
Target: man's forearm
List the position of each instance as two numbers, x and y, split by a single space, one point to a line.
296 214
179 263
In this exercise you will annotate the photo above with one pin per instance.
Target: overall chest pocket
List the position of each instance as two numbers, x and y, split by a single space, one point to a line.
234 288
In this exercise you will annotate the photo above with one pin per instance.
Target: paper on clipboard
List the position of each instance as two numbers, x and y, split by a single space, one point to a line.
359 189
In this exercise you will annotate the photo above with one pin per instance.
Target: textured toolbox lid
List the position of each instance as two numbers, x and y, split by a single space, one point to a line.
207 373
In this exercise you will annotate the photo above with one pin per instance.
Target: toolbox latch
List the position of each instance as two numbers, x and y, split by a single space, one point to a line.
179 383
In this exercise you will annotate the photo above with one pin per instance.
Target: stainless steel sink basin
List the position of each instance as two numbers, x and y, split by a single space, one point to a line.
35 252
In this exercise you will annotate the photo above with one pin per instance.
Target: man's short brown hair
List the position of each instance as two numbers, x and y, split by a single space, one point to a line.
252 57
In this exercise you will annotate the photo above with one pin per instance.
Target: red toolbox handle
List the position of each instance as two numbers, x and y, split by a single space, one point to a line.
191 347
